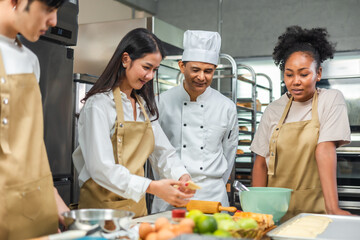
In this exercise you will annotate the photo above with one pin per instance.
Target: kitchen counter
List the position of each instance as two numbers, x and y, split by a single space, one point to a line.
152 217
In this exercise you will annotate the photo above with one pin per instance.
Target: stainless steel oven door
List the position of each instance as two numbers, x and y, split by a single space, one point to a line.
348 179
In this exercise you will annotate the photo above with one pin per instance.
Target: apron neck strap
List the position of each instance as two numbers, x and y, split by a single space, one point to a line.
314 111
142 108
119 106
285 113
2 67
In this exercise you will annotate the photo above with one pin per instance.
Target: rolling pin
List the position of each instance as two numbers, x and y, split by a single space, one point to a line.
208 206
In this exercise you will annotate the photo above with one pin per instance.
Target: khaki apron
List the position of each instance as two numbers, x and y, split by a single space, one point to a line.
133 142
27 203
293 164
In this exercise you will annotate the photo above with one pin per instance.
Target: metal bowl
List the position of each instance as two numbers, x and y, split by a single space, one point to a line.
107 220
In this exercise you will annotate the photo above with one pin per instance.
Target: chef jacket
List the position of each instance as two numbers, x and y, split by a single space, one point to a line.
204 133
94 157
18 60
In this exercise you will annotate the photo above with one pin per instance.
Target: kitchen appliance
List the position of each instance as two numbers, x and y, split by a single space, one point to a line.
56 85
344 75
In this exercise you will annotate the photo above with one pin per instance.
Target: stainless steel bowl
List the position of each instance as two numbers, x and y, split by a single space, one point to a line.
107 220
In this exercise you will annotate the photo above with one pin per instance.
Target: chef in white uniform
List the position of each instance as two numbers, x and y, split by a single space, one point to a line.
199 121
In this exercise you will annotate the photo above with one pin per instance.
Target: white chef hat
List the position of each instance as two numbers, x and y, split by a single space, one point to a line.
201 46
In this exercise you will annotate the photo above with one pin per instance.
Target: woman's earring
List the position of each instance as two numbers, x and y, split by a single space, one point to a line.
124 65
14 8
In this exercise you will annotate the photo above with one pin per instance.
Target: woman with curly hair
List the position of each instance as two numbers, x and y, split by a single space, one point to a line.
298 134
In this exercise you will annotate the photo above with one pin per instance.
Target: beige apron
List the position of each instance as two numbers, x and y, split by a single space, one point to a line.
133 142
293 164
27 202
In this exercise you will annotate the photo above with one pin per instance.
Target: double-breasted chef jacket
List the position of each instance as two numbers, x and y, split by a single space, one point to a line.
205 135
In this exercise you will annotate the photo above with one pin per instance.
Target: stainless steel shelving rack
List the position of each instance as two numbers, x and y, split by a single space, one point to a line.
248 116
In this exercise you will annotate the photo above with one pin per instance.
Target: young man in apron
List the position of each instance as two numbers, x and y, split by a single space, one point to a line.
30 206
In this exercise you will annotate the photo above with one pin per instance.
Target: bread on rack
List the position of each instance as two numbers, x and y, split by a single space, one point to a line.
243 128
239 151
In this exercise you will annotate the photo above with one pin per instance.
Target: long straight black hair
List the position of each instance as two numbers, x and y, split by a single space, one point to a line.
137 43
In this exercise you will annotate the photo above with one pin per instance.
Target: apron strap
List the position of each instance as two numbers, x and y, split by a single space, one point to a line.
119 107
314 112
273 139
119 124
5 109
272 145
142 108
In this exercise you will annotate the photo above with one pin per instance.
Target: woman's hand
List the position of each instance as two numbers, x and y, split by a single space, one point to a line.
339 211
183 179
165 190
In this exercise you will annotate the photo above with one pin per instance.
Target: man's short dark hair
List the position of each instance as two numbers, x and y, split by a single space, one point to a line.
50 3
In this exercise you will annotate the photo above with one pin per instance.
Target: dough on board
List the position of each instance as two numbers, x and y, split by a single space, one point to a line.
307 226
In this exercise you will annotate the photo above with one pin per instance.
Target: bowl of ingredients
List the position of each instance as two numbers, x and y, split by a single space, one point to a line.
107 220
266 200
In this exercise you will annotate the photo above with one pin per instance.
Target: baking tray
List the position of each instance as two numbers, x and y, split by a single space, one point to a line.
342 227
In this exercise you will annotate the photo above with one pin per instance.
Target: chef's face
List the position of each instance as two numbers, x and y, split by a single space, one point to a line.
34 21
301 75
198 76
141 70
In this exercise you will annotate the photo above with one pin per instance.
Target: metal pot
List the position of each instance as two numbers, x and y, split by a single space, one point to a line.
107 220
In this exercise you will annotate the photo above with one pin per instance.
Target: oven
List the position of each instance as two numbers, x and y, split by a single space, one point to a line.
348 175
344 75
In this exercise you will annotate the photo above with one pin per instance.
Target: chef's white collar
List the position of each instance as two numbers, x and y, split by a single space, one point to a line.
201 97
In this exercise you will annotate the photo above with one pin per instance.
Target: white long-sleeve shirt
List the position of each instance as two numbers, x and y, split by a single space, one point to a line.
94 156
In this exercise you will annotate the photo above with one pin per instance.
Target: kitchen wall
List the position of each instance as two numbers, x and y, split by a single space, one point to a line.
93 11
251 28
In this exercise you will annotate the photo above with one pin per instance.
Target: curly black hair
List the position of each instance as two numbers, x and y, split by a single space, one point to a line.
314 41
